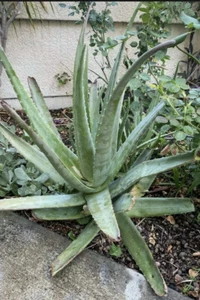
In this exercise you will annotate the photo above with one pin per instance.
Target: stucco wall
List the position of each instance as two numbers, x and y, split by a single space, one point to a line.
50 47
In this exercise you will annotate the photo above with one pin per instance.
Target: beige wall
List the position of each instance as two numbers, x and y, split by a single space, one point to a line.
50 47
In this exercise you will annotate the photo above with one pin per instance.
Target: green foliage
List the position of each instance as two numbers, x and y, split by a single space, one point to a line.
94 177
63 78
100 22
115 250
157 17
19 177
71 235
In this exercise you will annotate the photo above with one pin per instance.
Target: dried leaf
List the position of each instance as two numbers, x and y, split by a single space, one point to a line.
174 150
178 278
169 248
193 273
171 220
136 192
132 203
152 238
195 294
165 150
196 253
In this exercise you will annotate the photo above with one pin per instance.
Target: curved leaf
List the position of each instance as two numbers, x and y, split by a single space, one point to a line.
140 252
107 127
148 168
76 247
94 108
44 201
152 207
188 20
41 105
53 214
83 137
133 139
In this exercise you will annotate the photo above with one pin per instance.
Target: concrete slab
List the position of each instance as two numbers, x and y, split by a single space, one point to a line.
27 250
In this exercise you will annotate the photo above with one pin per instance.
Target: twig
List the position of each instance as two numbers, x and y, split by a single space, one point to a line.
140 222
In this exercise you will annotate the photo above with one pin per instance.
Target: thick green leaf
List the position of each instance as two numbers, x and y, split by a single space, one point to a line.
76 247
113 75
148 168
133 139
187 20
41 105
140 252
33 155
101 209
135 208
94 108
123 204
143 156
83 137
152 207
53 214
37 202
106 139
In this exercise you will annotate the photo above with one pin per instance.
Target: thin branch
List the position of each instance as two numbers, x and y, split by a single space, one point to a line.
15 12
99 76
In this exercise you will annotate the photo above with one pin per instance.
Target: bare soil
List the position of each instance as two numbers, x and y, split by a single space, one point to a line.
174 241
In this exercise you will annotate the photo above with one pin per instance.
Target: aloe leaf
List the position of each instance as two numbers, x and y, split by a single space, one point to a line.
53 214
41 105
83 137
124 203
148 168
101 209
140 252
143 156
106 141
94 108
44 201
37 121
133 139
113 75
142 186
138 63
76 247
104 149
154 207
122 125
33 155
139 207
68 174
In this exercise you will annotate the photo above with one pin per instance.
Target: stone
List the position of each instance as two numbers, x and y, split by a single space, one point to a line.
27 250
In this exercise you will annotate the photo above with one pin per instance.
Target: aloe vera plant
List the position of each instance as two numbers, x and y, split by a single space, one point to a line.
96 190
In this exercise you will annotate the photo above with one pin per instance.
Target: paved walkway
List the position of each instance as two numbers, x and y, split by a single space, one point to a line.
26 251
